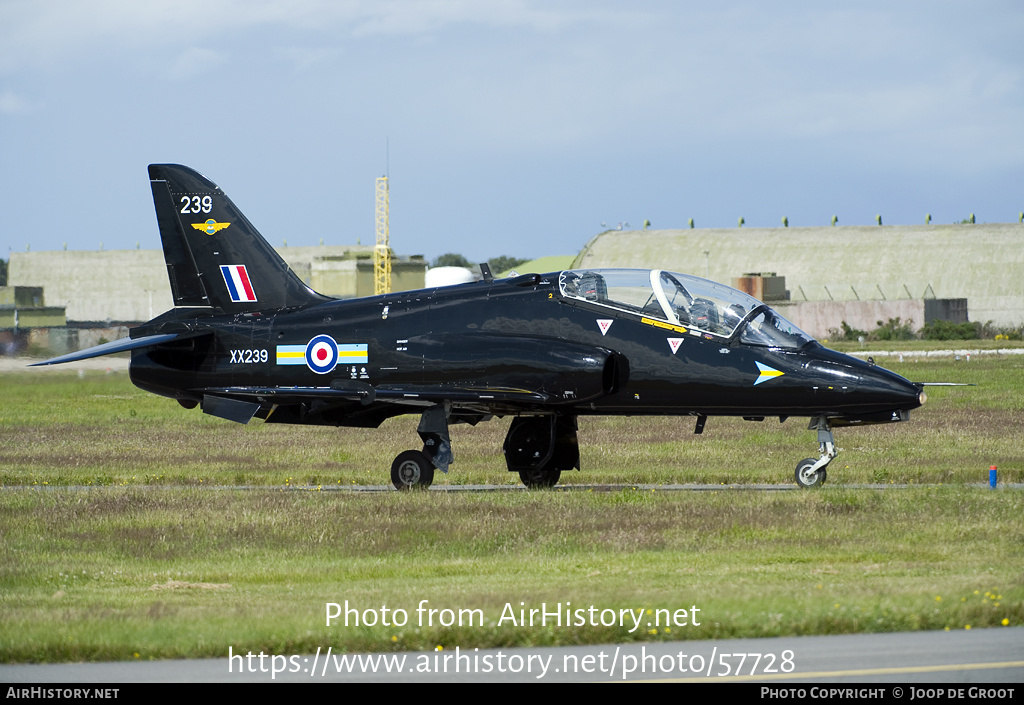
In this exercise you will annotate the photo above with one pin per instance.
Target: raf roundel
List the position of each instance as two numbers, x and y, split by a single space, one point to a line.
322 354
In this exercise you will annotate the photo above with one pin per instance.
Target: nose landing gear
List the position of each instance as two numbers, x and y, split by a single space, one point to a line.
811 472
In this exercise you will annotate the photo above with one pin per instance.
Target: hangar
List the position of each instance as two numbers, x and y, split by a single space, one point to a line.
836 273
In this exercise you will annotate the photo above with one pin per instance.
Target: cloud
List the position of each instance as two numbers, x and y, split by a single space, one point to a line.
667 89
47 34
427 16
305 58
194 61
13 104
50 35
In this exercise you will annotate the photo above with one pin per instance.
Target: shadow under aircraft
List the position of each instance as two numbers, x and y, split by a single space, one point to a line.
247 338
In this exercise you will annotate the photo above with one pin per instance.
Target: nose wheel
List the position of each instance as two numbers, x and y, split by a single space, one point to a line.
807 476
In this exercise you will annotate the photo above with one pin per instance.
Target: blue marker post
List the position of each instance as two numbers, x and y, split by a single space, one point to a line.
992 476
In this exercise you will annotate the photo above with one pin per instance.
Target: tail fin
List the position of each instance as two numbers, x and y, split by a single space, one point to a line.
215 257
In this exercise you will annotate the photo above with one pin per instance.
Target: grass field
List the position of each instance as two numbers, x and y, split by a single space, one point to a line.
152 564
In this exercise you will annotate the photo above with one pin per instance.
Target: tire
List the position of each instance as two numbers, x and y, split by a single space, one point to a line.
412 469
806 479
540 478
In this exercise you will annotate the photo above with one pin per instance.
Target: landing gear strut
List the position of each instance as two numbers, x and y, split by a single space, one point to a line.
811 472
540 447
415 468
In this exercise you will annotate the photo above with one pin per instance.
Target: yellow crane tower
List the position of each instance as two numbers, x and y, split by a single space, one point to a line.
382 250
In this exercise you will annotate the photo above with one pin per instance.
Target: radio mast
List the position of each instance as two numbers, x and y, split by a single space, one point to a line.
382 250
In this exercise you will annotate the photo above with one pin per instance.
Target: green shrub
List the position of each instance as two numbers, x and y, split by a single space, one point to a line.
848 333
947 330
893 329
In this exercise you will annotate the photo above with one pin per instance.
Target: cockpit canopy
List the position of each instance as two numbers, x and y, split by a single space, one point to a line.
685 301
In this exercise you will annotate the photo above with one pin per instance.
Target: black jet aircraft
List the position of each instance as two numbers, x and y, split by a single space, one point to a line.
247 338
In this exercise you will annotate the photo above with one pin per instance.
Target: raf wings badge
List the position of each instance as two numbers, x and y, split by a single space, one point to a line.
210 227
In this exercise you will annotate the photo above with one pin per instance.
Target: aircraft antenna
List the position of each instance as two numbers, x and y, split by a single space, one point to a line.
382 250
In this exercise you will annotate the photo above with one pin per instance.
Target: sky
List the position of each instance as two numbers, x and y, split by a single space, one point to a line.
507 127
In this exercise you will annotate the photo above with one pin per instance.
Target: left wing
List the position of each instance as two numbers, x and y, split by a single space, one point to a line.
240 404
415 395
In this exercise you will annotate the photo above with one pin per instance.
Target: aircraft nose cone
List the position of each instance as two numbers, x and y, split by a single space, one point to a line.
891 389
864 387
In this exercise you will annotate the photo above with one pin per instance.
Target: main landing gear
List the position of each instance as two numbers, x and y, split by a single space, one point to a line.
811 472
539 448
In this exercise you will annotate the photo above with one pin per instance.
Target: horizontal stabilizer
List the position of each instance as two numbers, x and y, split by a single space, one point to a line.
122 345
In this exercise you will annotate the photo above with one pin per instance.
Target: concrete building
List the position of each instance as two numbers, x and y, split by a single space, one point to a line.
129 286
24 307
852 273
26 320
97 287
348 275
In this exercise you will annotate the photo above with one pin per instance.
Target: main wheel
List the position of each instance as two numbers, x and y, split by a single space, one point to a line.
412 469
528 442
540 478
806 478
